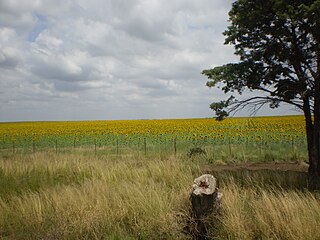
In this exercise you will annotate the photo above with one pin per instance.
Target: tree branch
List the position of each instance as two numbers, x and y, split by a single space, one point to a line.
258 101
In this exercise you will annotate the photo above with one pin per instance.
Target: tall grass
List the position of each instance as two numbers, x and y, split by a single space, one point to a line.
128 197
249 213
133 196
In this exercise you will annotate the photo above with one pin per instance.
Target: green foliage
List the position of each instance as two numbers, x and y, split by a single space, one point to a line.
278 45
196 151
218 107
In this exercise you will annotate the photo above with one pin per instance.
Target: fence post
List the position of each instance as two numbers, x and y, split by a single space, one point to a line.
13 147
74 144
145 146
95 147
33 146
56 143
175 146
292 143
117 146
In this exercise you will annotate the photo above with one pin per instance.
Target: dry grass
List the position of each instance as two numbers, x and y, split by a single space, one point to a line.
79 196
128 197
257 213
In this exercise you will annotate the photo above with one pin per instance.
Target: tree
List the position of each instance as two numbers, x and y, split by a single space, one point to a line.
278 45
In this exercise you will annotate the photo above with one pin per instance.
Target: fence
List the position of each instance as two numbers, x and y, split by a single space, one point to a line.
216 149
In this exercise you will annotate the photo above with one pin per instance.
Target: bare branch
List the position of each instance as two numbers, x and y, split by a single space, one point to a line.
257 102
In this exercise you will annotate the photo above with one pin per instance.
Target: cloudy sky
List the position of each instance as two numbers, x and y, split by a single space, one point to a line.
110 59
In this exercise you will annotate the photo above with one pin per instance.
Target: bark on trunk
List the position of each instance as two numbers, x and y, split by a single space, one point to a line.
313 153
313 137
205 200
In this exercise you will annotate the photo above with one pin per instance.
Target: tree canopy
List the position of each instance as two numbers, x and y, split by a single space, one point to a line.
278 45
277 42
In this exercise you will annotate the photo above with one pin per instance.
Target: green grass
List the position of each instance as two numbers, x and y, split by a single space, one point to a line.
132 196
31 173
215 153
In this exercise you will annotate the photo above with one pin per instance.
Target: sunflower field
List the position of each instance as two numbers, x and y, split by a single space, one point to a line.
283 130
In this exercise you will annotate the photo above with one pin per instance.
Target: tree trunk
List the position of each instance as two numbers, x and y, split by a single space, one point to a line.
313 138
316 124
205 200
313 155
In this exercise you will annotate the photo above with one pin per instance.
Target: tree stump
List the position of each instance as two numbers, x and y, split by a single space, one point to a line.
205 200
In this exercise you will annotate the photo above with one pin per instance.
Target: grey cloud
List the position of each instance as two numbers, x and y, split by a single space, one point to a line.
65 60
68 87
143 29
9 58
17 14
59 70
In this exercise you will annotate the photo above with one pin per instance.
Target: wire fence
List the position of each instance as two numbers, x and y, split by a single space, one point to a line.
247 148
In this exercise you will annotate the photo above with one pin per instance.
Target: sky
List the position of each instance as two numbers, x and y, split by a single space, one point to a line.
111 59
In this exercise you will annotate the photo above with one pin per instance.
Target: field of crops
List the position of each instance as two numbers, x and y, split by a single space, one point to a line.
156 133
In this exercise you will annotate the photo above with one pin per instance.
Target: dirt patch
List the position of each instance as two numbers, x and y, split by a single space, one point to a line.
297 167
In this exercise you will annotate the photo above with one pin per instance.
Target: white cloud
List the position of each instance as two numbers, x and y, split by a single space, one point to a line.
49 42
6 34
